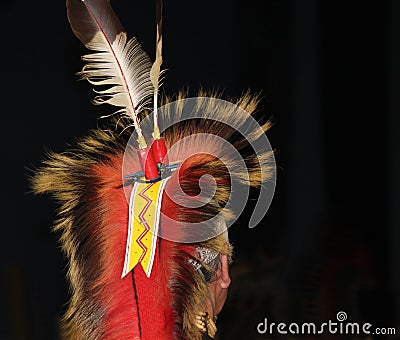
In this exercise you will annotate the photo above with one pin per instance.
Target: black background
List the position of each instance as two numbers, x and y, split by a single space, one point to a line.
329 73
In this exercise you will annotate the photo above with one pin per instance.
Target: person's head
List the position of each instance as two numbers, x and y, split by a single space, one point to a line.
187 278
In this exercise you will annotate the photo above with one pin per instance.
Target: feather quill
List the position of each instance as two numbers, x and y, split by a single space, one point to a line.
155 72
118 63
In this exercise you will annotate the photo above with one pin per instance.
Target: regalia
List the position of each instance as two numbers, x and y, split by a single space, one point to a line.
145 204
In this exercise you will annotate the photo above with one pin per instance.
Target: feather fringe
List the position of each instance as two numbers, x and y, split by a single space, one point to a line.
125 68
118 64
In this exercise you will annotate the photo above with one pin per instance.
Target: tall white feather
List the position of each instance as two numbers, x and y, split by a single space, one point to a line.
118 64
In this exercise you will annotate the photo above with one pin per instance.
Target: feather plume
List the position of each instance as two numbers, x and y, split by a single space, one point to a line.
118 63
155 72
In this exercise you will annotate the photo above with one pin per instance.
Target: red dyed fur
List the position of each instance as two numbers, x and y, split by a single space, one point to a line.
117 295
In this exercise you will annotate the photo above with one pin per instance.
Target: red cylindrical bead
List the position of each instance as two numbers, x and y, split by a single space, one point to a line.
159 150
148 164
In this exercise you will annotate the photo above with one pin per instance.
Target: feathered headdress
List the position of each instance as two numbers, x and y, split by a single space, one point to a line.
142 208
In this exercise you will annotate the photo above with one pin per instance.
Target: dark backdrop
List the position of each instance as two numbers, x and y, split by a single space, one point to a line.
329 73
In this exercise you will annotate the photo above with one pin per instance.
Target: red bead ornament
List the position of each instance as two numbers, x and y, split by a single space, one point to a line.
159 150
148 164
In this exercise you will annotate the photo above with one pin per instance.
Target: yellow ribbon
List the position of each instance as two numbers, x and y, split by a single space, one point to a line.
144 219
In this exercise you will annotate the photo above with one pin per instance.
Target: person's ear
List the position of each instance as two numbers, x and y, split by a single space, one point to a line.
224 279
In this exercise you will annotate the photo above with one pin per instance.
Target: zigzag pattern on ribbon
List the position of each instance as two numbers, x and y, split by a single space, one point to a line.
143 220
